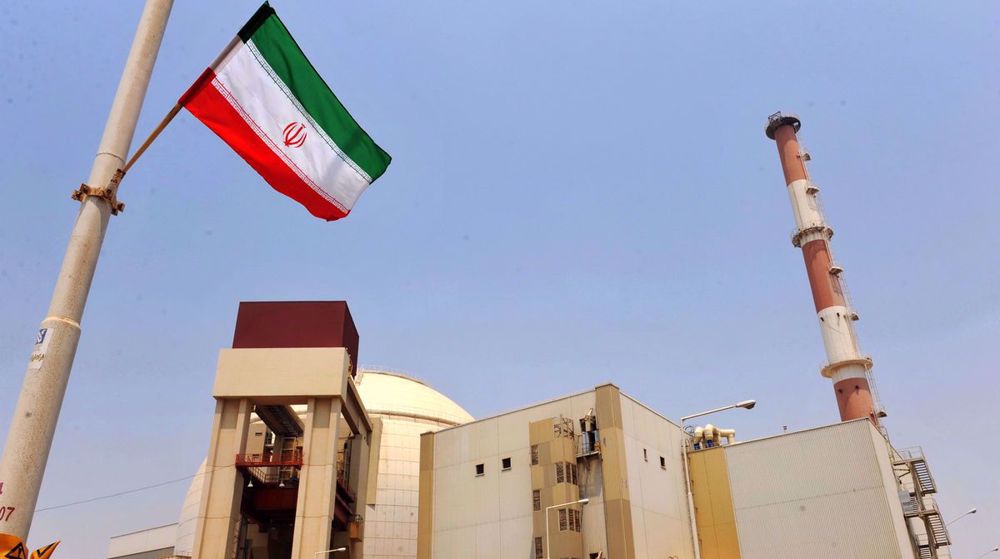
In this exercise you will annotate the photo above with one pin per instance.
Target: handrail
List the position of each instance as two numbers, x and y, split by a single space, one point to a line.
287 458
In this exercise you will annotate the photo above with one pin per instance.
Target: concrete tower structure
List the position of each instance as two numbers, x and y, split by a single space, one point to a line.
286 487
849 370
401 408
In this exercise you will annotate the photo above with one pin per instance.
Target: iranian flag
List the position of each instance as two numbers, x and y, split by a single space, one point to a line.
264 99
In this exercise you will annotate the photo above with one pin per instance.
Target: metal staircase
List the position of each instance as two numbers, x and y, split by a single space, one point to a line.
919 504
923 474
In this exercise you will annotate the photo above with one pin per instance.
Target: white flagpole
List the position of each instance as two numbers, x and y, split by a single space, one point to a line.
37 410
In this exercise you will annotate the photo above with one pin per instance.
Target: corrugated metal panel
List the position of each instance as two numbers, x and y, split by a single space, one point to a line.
816 493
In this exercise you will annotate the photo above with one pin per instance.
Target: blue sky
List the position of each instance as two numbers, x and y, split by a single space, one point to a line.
580 192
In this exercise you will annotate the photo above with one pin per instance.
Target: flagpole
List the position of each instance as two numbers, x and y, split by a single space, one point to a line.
37 411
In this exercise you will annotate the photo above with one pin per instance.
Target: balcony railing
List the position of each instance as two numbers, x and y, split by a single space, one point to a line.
588 443
271 468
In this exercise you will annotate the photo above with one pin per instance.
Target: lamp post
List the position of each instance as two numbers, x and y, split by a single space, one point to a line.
988 552
745 404
329 551
963 515
548 540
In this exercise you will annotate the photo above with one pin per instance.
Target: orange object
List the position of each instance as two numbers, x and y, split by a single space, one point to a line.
11 547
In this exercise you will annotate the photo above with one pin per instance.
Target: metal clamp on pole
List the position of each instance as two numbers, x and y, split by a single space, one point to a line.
108 193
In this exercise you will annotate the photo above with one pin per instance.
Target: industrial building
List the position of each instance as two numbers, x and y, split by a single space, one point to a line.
510 486
308 457
599 475
400 407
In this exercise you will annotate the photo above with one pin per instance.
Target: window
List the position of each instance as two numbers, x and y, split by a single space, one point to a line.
536 499
566 473
534 455
570 520
505 463
539 548
644 455
663 462
480 469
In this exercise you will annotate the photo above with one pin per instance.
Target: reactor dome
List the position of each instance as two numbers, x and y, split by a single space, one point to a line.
407 407
392 394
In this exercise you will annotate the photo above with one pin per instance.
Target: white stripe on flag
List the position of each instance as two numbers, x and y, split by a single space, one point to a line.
263 101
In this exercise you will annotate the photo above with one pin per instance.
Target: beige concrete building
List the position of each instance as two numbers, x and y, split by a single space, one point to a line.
307 457
598 475
493 488
825 493
285 487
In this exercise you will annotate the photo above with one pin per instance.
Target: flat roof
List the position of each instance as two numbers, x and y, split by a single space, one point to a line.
559 399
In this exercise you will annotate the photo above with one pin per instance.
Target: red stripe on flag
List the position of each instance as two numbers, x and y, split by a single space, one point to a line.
209 106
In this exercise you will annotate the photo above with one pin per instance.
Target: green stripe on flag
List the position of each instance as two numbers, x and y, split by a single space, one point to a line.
283 54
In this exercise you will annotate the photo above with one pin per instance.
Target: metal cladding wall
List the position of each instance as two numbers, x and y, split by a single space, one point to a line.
820 493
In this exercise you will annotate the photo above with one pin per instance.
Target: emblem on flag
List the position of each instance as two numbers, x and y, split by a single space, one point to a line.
295 135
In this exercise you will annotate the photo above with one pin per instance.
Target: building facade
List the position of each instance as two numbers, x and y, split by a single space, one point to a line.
511 486
598 475
828 492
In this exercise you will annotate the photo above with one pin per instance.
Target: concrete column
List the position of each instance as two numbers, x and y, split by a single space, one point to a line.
318 480
425 503
222 495
360 455
617 504
358 477
33 425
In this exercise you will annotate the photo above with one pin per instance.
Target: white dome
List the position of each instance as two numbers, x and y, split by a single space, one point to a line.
394 394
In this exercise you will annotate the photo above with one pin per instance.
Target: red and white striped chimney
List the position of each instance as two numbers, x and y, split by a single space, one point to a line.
849 370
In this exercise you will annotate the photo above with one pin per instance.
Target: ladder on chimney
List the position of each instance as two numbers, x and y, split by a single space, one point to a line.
921 505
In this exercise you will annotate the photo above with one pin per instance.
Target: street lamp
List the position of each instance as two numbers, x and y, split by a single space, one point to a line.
745 404
329 551
548 540
966 513
988 552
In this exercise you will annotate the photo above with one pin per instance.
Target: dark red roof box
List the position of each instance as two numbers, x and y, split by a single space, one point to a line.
296 324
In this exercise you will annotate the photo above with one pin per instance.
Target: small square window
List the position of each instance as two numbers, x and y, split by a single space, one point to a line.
480 469
663 462
534 455
505 463
645 455
536 500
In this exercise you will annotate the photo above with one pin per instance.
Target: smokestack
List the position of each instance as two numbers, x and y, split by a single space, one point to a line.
846 367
